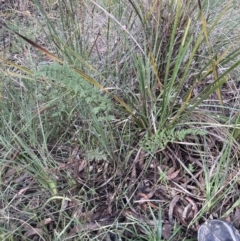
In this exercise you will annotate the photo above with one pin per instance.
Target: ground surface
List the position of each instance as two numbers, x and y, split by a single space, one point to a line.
74 192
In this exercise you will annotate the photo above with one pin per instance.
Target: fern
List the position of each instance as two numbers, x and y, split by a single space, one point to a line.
162 138
96 154
87 93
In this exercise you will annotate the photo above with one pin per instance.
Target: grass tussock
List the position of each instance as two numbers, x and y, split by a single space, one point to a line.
119 119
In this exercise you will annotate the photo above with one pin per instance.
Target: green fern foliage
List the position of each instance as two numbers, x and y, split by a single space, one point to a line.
162 138
88 94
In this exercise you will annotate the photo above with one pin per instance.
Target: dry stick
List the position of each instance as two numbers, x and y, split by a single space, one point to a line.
134 171
185 191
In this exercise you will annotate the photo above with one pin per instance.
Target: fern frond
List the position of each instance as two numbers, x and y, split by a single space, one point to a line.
66 77
162 138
